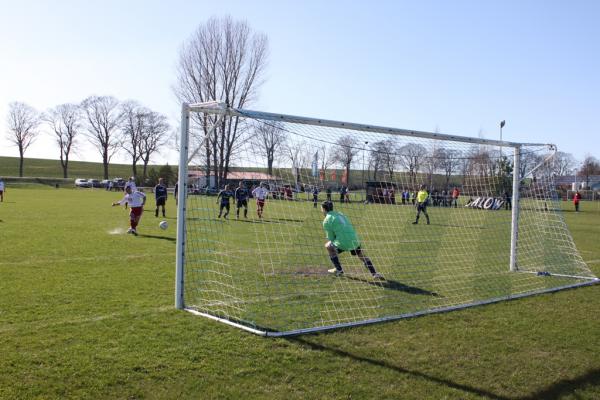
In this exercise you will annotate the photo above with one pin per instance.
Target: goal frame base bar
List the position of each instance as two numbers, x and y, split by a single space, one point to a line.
296 332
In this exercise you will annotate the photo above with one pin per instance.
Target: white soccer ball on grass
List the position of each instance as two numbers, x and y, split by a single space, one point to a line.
163 225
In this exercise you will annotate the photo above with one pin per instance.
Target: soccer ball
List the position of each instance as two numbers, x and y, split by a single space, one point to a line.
163 225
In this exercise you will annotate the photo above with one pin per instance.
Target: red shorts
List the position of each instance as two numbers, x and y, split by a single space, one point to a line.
260 203
136 212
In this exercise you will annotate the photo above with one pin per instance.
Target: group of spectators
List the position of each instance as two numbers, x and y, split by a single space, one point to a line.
436 198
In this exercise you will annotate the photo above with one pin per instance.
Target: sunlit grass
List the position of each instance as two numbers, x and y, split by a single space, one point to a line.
87 312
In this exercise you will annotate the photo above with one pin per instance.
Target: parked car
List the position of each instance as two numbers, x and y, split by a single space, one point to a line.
104 183
95 183
118 183
84 183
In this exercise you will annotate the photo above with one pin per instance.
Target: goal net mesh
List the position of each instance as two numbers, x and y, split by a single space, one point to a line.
270 272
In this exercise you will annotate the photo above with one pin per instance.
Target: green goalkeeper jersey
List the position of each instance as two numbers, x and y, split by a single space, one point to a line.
340 231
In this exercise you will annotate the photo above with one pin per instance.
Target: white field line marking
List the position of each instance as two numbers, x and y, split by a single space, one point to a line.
81 320
37 260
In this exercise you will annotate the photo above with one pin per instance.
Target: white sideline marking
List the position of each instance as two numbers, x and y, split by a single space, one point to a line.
93 258
116 231
81 320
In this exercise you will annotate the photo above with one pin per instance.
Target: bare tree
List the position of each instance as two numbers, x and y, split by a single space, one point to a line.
224 61
346 150
448 161
268 139
589 167
326 157
431 163
155 135
133 127
528 161
23 123
65 121
563 163
296 152
451 163
377 157
104 118
411 156
390 157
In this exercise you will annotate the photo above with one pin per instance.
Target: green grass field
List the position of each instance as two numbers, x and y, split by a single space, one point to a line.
86 311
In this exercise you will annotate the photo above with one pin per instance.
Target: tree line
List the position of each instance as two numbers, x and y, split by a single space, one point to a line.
105 122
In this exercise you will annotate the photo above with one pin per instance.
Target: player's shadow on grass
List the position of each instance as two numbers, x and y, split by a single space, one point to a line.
394 285
170 239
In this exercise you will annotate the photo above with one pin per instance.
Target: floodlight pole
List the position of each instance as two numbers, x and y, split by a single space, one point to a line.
502 123
514 231
181 202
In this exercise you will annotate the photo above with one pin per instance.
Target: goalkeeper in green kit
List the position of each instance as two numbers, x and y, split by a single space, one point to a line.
342 237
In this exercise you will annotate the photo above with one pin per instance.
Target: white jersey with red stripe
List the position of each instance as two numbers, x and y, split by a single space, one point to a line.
130 184
260 193
135 199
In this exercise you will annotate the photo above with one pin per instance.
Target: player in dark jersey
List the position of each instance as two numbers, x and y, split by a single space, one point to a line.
241 197
160 195
224 196
315 194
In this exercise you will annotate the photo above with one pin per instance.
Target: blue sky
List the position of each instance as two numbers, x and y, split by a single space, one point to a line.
457 66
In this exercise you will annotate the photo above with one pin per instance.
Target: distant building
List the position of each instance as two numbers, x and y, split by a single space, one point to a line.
572 182
250 178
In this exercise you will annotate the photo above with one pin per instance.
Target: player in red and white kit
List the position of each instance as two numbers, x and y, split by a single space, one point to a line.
261 194
136 201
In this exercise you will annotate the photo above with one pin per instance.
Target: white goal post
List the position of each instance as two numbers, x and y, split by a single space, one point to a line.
491 227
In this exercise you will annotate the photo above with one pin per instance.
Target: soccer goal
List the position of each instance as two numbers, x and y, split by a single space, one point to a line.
494 228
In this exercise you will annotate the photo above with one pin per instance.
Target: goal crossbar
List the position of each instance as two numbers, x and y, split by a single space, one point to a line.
221 108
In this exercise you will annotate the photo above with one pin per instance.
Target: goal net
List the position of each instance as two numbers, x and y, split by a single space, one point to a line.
490 229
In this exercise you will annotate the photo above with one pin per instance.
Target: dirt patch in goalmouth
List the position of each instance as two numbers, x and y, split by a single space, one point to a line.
302 271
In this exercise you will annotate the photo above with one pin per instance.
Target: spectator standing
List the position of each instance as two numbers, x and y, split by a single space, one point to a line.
455 195
2 189
507 200
576 199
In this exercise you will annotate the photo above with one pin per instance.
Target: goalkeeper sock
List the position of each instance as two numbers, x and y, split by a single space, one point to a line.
336 262
369 265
